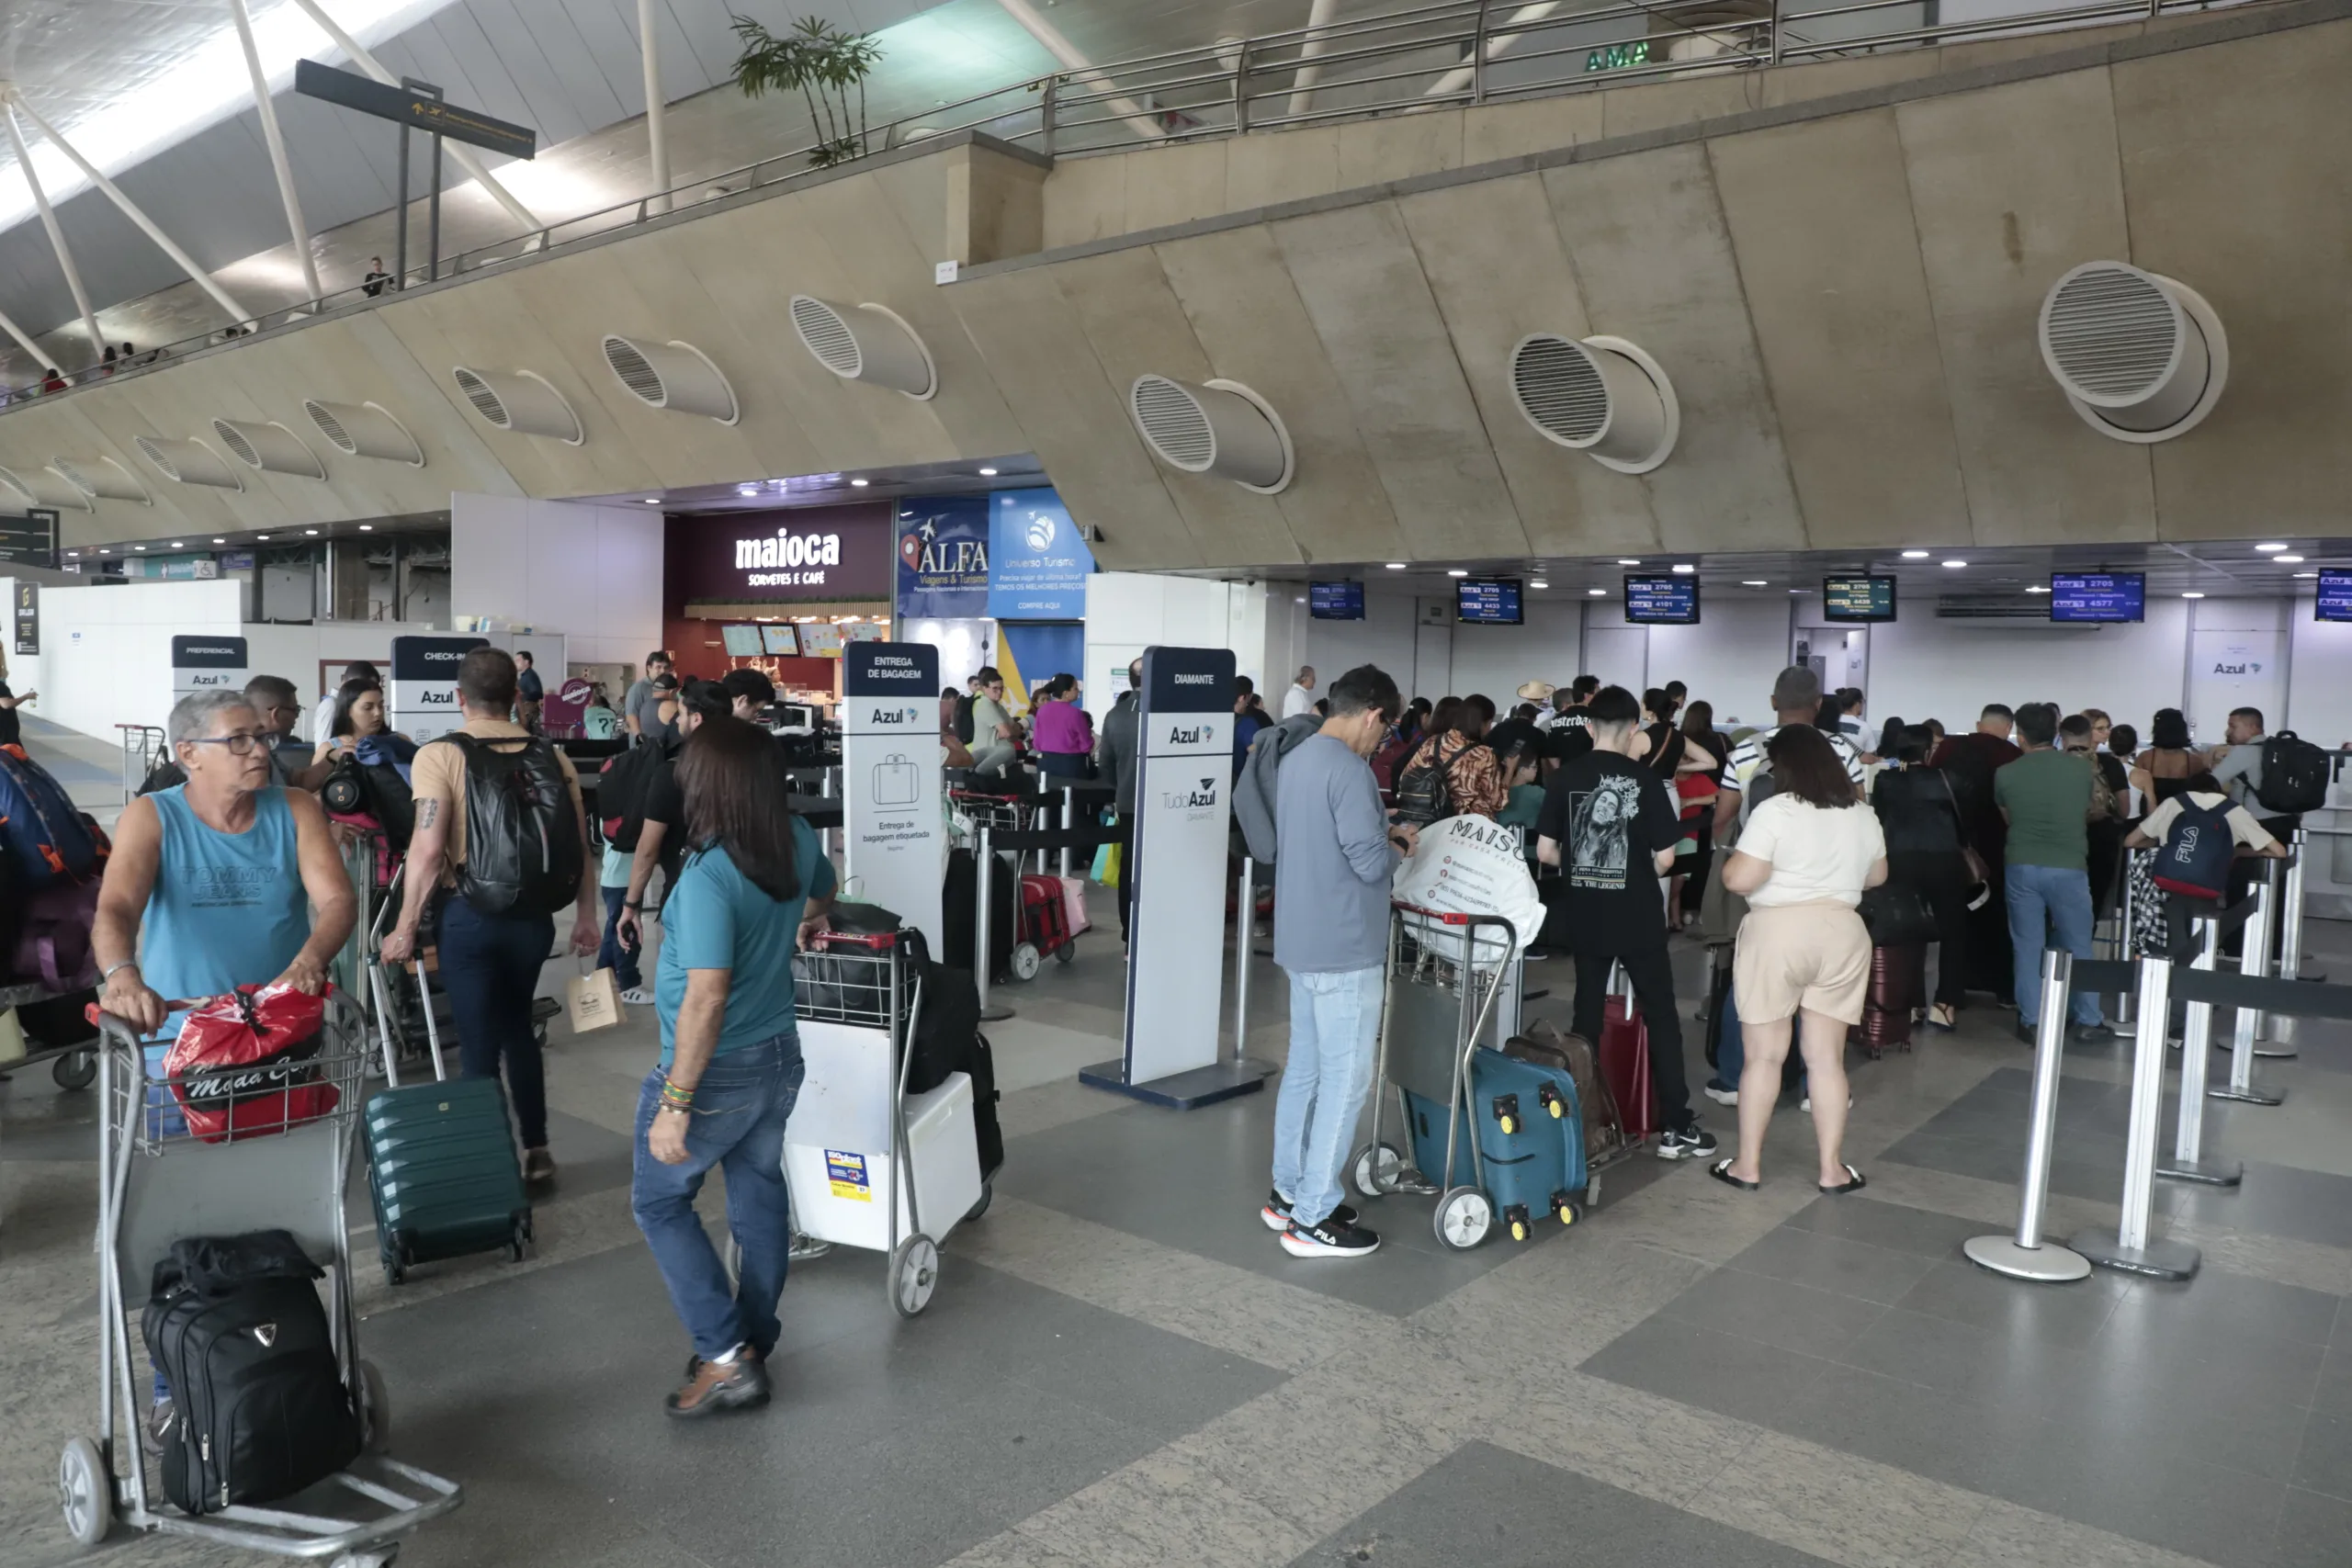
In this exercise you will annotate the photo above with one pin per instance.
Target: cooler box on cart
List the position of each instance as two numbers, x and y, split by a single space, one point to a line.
837 1155
1534 1158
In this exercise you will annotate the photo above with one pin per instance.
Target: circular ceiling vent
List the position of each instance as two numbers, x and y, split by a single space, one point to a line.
521 400
867 343
674 376
1600 395
2142 357
41 488
1219 427
105 479
188 462
364 430
270 447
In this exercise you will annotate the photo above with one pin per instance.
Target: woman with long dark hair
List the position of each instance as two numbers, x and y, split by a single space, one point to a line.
1694 789
1920 819
359 712
755 886
1804 956
2162 771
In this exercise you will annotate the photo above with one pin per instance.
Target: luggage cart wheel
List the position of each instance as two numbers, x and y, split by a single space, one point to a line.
1066 953
375 1411
85 1492
74 1069
1465 1215
381 1558
1553 1102
1025 961
1564 1210
1378 1169
914 1274
1521 1228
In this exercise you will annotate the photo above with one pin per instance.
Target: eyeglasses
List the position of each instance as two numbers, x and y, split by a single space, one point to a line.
240 744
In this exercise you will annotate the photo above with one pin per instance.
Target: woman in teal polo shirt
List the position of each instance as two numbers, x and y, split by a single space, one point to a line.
755 885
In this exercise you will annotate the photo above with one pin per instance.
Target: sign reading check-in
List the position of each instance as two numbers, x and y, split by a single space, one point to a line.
424 683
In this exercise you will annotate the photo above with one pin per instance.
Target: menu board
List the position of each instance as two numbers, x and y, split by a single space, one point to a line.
1490 601
2098 596
1857 598
742 642
2335 603
782 641
1335 600
820 639
1662 600
865 631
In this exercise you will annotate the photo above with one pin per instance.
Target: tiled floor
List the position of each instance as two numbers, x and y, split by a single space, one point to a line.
1122 1368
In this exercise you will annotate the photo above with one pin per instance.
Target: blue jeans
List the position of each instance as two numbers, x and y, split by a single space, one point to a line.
2049 907
1334 1024
737 1120
613 955
490 966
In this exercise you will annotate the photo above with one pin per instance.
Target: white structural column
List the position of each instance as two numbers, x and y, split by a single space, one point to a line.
1499 40
657 132
1302 84
1080 67
56 236
467 158
25 342
185 263
270 133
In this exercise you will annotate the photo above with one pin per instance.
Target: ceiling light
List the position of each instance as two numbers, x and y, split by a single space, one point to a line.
859 484
261 536
71 553
1752 582
988 473
2193 593
175 544
2306 574
220 541
2037 588
103 550
2289 560
1955 563
1914 554
1595 592
1299 598
2271 549
1685 567
1457 571
309 532
1395 566
652 500
137 547
1539 585
1629 561
367 527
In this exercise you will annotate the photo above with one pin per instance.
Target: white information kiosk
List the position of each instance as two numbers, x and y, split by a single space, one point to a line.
208 664
1176 857
895 847
424 684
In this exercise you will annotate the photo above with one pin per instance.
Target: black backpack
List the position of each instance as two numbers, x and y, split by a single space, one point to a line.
1423 793
523 853
621 791
964 718
236 1328
2295 775
2196 856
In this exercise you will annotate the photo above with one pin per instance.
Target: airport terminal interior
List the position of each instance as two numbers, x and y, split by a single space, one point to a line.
1556 431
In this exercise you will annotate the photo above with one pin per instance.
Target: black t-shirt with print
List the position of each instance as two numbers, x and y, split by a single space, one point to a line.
1610 816
1568 738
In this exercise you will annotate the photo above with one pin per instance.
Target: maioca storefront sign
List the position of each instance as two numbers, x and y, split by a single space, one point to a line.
828 553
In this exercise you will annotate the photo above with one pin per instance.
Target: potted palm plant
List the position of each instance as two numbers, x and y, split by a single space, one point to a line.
821 63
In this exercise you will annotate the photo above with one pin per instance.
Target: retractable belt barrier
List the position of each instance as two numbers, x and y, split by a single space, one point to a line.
1018 841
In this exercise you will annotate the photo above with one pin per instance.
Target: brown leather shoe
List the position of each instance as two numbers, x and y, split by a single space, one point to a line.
740 1384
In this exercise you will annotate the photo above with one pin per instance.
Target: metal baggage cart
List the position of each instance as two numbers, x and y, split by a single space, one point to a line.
1443 975
158 1182
868 1164
72 1066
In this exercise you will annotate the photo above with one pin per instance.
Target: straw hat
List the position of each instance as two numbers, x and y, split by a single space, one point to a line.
1537 692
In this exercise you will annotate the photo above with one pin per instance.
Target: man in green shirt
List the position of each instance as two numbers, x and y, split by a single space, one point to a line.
994 743
2045 797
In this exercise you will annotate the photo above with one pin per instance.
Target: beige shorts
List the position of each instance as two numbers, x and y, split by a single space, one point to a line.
1814 956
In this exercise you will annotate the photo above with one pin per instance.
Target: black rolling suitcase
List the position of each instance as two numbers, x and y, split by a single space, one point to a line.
441 1161
961 895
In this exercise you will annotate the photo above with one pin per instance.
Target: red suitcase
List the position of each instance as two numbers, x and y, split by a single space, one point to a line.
1898 987
1625 1063
1044 914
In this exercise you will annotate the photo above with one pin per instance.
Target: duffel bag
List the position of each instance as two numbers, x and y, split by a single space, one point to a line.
247 1063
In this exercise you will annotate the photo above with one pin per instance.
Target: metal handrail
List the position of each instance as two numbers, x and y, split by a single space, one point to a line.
1233 88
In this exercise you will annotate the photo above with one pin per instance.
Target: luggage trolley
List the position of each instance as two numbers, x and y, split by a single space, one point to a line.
71 1066
855 1128
157 1183
1444 972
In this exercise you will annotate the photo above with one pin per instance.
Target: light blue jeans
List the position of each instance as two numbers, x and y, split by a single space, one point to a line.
1334 1024
2049 907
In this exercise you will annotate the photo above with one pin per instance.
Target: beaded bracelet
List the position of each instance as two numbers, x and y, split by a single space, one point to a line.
676 1098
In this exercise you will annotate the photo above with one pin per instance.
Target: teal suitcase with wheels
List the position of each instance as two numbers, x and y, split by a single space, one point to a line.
1530 1129
442 1170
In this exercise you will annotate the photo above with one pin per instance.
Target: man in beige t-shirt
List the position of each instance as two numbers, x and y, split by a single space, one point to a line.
489 960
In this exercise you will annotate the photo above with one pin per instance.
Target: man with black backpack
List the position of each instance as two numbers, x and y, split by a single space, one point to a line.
501 845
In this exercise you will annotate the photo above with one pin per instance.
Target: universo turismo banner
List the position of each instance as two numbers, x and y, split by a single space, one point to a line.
1037 564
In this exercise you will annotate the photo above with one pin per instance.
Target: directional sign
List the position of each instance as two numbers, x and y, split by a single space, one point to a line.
370 97
28 540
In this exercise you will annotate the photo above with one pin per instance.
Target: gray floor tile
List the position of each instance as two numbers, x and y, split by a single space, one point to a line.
1485 1507
2315 1532
1775 1312
2139 1488
1832 1263
1891 1225
2059 1315
1960 1441
2333 1394
1742 1378
1962 1359
2279 1200
2229 1375
2219 1304
2325 1464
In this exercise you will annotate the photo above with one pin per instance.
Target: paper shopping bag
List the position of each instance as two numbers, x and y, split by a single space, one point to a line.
594 1001
1106 864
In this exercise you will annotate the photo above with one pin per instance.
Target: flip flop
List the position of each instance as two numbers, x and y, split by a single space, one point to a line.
1721 1171
1854 1186
1951 1028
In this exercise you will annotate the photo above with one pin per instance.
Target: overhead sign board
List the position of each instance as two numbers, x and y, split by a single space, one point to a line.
890 760
424 683
29 539
27 617
208 664
1037 563
430 115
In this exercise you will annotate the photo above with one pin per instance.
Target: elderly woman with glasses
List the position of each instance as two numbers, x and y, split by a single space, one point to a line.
234 877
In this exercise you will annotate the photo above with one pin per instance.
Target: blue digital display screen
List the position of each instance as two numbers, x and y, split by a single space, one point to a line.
2335 601
1489 601
1858 599
1335 600
2098 596
1662 600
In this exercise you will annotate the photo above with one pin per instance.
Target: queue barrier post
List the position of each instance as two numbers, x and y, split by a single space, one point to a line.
1244 917
2276 1039
2122 947
2187 1163
984 884
2129 1247
2024 1256
2254 964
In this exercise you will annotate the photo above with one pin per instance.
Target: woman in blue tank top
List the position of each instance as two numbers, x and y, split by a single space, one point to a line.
223 871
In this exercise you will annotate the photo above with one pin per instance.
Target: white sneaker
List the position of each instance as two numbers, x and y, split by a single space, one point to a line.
1805 1104
638 996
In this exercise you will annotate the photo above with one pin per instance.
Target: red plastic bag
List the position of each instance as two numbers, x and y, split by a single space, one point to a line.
246 1065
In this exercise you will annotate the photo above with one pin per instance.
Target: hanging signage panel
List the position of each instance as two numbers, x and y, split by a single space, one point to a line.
944 557
208 664
415 110
29 539
1183 809
897 851
424 683
1037 564
825 553
27 617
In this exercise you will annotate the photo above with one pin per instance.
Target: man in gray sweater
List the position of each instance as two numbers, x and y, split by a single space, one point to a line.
1337 854
1116 749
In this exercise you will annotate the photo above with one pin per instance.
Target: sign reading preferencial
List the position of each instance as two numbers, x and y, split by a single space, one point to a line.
897 851
208 664
424 683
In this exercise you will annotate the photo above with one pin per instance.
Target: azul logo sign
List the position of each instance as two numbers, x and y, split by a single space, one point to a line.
896 717
1202 796
1183 735
787 559
2245 666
